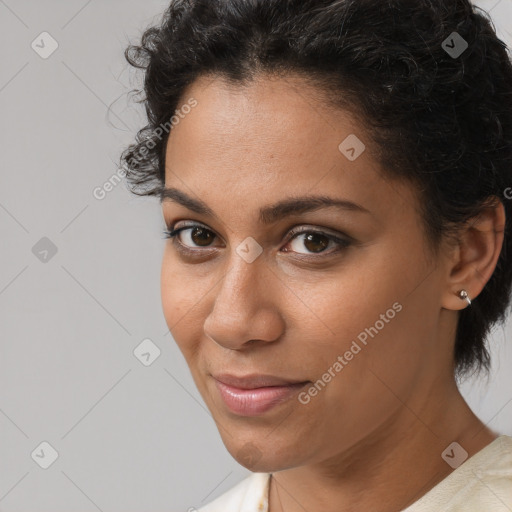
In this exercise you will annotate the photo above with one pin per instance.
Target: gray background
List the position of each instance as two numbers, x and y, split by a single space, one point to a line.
129 437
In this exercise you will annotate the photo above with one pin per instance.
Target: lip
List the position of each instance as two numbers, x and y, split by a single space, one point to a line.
259 393
254 381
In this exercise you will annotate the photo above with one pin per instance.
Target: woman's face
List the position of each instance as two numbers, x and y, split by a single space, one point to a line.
359 318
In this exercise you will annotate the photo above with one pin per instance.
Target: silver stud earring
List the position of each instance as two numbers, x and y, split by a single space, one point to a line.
463 294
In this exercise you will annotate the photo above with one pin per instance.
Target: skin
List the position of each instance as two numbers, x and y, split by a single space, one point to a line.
382 422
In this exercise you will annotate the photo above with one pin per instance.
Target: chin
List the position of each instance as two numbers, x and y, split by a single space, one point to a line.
259 458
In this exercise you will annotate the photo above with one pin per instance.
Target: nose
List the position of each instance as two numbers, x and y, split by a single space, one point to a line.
245 307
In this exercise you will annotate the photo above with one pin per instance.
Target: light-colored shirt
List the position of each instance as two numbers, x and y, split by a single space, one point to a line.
483 483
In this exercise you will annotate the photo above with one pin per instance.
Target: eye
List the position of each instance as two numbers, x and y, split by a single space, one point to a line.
188 238
196 236
316 242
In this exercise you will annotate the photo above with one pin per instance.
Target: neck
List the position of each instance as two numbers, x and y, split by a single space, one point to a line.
390 469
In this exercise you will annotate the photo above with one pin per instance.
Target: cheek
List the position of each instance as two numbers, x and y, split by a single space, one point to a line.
381 364
181 304
366 314
172 291
368 385
336 307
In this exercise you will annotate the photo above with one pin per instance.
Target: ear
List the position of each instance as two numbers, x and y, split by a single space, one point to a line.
474 257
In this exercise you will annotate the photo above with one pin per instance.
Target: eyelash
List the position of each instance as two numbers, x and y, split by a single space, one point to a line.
341 243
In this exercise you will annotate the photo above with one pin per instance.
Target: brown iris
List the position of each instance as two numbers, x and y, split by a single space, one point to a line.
200 235
310 245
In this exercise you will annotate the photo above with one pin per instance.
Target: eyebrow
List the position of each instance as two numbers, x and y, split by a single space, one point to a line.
267 214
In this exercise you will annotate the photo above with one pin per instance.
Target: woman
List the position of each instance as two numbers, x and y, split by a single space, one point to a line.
335 179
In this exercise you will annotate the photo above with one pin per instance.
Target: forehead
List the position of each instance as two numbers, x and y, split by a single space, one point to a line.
268 119
272 138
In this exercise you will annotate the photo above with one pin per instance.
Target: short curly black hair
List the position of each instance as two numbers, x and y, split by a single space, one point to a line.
440 113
